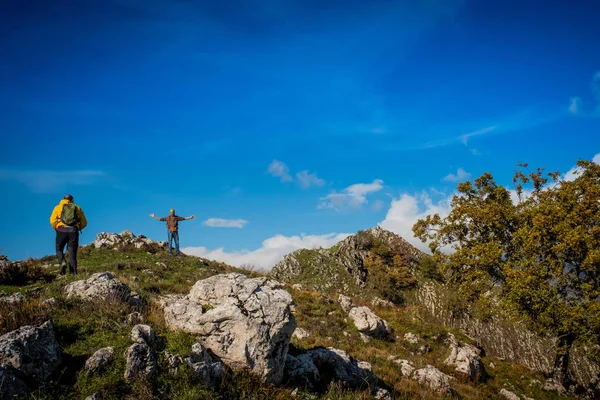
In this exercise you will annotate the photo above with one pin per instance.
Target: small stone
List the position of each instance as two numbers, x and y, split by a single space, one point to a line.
144 334
300 333
365 338
135 318
100 359
492 365
508 394
411 338
51 302
140 362
345 303
382 394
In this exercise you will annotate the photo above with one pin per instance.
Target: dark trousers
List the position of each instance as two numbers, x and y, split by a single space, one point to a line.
70 238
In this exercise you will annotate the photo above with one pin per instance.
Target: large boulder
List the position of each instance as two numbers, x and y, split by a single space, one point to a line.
466 359
368 323
100 286
301 372
31 350
245 322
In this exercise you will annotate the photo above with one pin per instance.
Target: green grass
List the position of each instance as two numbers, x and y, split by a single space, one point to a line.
84 327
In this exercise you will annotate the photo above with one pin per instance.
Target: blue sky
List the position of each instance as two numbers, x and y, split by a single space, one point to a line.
290 122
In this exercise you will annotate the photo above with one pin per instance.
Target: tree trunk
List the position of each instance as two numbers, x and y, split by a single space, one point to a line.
560 373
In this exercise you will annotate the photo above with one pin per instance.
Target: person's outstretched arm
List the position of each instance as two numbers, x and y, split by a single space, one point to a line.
157 218
187 218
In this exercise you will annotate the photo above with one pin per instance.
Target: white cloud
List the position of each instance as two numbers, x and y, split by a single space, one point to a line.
271 251
306 180
465 137
225 223
45 181
353 196
280 170
461 174
573 172
575 106
405 211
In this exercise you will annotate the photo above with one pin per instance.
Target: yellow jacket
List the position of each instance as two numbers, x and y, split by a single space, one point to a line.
57 212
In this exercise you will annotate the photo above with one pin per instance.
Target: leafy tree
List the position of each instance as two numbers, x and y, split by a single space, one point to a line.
541 254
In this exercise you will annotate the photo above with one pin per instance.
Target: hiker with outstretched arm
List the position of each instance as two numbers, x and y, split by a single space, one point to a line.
68 220
173 228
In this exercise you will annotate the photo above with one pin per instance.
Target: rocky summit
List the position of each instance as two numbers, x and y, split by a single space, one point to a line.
369 318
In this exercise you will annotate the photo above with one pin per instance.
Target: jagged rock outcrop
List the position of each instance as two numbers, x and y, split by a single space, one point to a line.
30 351
100 286
343 266
466 359
100 359
139 362
125 239
504 339
245 322
368 323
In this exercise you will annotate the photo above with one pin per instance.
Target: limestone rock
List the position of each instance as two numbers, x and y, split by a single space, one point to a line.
16 298
554 386
466 359
51 302
204 367
411 338
365 338
434 378
100 359
139 362
249 325
301 372
100 286
368 323
11 386
406 368
144 334
173 361
343 368
125 239
32 351
300 333
509 395
382 394
135 318
377 302
345 303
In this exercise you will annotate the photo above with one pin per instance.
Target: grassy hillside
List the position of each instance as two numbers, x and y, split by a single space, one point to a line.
83 327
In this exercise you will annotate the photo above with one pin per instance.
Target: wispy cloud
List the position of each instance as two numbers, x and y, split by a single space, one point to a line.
306 180
460 175
280 170
271 251
354 196
48 181
225 223
575 106
465 137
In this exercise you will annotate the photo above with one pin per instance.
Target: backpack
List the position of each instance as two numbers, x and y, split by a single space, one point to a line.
68 215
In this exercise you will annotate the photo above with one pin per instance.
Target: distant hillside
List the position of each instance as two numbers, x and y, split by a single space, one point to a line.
373 262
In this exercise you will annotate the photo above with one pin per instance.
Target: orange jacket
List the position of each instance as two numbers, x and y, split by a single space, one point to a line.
57 212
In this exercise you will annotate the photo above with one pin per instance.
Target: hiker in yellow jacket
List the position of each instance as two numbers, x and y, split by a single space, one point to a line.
67 219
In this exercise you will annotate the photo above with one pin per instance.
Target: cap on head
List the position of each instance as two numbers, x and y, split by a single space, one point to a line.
171 211
68 197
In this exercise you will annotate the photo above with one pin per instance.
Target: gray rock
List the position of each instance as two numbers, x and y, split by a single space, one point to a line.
411 338
345 303
100 286
381 394
16 298
33 351
301 372
406 368
466 359
249 325
434 378
343 368
554 386
116 241
210 373
509 395
300 333
100 359
139 362
135 318
377 302
10 385
173 361
144 334
365 338
368 323
51 302
95 396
